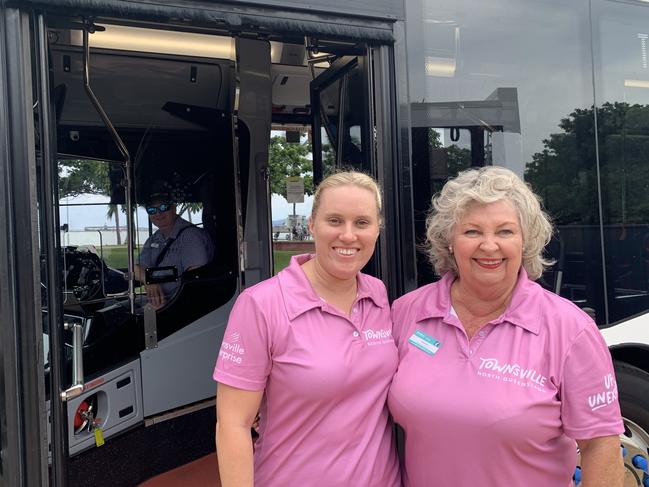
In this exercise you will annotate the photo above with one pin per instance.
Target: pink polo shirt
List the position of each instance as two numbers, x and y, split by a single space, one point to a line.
504 408
323 417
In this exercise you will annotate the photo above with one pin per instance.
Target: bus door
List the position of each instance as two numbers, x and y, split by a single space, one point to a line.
449 137
343 121
175 115
252 118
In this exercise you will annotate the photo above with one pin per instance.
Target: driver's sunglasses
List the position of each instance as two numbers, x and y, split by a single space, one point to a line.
162 207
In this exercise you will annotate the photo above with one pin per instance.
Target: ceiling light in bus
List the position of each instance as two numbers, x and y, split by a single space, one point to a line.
440 66
163 42
636 83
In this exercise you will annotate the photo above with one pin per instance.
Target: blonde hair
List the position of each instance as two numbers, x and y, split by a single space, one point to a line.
348 178
482 186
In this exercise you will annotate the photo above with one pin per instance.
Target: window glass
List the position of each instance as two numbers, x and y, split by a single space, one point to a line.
509 83
93 230
620 35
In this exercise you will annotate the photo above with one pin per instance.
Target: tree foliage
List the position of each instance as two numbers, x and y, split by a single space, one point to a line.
289 160
81 176
564 173
84 176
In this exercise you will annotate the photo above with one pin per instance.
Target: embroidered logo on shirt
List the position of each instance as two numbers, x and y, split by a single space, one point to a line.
606 397
377 337
490 368
231 350
425 342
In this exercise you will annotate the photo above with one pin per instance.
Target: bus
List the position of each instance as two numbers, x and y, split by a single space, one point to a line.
106 104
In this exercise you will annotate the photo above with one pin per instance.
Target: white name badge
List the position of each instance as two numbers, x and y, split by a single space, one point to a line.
425 342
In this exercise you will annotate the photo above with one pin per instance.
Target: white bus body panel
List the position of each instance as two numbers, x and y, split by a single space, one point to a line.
635 330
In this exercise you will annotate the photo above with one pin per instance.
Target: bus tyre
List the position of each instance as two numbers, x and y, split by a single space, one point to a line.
633 389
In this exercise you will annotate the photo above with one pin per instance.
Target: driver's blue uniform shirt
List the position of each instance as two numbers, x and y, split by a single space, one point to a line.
192 248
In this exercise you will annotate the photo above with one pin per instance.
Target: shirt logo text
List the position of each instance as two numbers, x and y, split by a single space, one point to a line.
231 350
606 397
511 372
377 337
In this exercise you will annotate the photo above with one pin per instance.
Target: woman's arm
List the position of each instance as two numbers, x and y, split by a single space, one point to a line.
601 462
235 413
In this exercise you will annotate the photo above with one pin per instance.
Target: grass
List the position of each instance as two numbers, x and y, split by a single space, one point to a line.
116 257
282 258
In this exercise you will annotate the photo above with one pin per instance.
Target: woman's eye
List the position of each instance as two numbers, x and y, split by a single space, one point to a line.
471 232
362 223
506 231
333 221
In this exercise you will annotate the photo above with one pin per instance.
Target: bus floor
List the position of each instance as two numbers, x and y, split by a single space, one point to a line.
203 472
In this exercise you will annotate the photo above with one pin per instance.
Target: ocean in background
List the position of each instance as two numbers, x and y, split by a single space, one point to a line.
99 237
89 210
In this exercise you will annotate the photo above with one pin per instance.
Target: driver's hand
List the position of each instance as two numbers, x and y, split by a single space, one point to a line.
155 295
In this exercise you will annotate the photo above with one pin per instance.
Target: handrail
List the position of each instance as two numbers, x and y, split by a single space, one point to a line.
78 384
130 234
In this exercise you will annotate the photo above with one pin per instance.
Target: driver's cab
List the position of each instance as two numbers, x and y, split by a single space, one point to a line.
140 125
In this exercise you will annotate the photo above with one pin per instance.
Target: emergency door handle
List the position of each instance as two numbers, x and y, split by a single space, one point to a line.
77 386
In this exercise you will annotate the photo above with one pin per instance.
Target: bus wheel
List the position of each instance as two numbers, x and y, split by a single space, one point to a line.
633 388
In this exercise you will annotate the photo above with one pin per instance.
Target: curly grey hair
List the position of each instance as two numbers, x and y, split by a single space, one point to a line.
482 186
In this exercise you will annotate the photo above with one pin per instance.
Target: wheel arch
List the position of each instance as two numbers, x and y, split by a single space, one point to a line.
635 354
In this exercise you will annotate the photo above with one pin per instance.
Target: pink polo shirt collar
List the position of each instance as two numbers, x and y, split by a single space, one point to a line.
520 312
299 296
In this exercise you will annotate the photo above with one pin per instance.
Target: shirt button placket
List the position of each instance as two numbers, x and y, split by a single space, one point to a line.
476 342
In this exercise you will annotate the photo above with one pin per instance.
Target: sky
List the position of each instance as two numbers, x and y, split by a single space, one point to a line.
93 211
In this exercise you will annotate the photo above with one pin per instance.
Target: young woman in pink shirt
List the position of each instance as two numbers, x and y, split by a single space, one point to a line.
498 379
311 349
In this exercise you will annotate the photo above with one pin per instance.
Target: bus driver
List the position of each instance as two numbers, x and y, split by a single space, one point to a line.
176 243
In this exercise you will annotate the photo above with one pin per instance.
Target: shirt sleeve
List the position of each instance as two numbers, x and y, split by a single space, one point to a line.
244 359
589 398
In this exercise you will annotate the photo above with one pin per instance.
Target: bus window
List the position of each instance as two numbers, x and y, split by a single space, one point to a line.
437 154
342 124
463 75
620 39
92 232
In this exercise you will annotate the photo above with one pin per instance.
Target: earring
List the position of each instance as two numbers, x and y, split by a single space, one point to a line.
450 249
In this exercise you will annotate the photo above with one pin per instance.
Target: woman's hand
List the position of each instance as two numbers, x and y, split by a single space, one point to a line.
236 410
601 462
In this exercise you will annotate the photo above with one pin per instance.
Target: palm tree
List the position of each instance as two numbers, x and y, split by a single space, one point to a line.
114 210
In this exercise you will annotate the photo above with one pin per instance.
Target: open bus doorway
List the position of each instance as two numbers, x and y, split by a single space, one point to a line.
177 128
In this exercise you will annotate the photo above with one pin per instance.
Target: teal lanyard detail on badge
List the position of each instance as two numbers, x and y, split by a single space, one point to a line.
425 342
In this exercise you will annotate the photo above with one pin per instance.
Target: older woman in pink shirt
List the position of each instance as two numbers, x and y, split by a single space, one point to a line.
311 349
498 379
